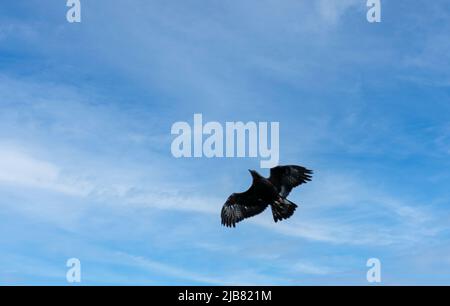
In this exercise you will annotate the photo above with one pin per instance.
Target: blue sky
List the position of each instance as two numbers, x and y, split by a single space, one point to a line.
86 169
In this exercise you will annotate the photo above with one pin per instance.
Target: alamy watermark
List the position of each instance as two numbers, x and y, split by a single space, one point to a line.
374 12
73 274
74 12
232 140
374 273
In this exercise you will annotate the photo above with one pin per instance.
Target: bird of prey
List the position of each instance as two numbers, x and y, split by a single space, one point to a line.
271 191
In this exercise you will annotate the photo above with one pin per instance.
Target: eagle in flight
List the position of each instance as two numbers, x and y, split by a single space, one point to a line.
271 191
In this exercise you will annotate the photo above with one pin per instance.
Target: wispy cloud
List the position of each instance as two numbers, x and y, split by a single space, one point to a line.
23 170
19 169
85 138
307 268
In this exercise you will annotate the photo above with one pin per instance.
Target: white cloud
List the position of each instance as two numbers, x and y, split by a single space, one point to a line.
20 169
315 221
241 277
156 266
174 201
310 268
337 210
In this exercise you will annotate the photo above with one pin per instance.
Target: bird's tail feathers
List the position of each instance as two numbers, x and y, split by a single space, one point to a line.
283 209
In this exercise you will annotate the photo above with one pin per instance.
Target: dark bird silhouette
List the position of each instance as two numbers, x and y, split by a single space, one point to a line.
271 191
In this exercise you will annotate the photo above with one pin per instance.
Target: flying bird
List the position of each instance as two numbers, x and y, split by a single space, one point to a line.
271 191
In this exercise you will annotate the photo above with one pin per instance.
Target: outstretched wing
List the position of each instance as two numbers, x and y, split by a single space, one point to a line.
285 178
240 206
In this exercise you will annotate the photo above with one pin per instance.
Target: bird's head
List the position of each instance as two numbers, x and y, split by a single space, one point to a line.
254 173
232 198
